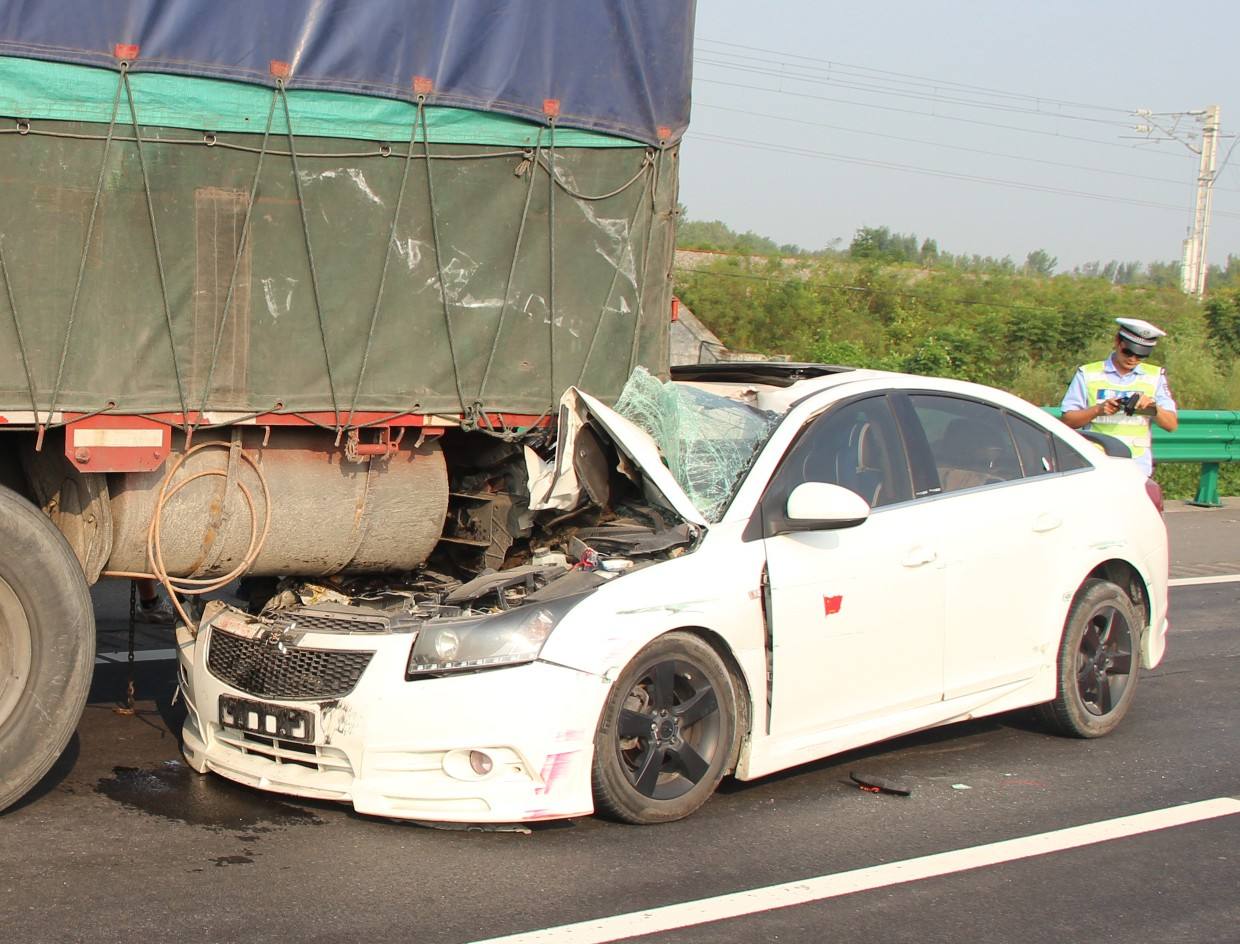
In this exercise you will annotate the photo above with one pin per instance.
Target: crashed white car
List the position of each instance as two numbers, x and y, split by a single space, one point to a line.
749 568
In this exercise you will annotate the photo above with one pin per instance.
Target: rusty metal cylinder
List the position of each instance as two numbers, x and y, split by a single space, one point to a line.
329 515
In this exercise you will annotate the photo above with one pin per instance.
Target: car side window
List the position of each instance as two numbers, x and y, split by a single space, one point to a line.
969 440
856 445
1034 446
1067 458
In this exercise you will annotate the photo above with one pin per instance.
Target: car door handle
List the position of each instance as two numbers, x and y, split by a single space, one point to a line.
1046 522
919 555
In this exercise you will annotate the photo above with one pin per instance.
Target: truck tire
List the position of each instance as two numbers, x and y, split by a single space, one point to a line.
47 645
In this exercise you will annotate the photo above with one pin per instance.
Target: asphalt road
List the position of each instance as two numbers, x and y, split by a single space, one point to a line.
122 843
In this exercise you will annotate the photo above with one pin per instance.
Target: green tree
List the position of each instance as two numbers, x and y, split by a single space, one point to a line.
1222 310
1040 262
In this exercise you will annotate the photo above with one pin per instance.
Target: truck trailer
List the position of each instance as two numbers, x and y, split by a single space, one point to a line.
293 290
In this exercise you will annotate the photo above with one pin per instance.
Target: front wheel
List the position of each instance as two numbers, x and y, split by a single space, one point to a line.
1099 656
666 733
47 645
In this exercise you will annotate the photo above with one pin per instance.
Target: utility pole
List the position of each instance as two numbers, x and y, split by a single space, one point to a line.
1195 265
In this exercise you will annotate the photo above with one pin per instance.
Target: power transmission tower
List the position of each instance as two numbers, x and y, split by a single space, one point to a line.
1194 263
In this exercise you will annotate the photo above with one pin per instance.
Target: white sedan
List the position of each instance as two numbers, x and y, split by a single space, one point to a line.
754 567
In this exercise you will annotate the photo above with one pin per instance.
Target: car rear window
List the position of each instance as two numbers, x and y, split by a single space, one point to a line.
969 440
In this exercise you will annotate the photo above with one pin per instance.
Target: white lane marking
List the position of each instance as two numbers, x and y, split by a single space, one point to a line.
142 655
1197 581
739 904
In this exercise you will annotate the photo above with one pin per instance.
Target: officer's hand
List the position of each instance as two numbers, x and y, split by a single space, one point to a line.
1145 402
1109 406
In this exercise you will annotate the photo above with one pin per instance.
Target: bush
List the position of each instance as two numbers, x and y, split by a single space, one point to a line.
1179 479
986 323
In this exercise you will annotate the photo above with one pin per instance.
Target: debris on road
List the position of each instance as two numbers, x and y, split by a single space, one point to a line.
871 784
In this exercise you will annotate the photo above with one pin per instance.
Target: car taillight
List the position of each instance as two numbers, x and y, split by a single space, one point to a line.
1154 490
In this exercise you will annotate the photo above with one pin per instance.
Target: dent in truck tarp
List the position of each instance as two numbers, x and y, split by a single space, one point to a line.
616 66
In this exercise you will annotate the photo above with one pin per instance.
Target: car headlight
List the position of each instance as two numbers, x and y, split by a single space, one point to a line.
466 644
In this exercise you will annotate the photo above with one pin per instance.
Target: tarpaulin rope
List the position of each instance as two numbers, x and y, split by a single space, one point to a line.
159 258
232 281
314 272
551 267
647 165
387 258
529 161
641 276
647 161
17 327
211 139
77 286
443 288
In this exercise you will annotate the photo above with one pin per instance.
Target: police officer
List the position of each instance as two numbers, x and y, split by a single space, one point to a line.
1094 396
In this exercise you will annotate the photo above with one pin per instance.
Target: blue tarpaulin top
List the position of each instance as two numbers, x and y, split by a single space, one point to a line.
617 66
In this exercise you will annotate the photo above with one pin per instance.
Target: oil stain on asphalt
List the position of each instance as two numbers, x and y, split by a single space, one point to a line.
174 792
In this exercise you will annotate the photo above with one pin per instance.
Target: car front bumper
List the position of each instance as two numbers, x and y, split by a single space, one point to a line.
402 749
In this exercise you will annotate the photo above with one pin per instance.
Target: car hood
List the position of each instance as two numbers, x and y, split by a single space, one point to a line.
555 484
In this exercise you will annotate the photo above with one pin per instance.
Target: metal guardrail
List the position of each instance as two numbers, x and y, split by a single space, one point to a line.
1210 437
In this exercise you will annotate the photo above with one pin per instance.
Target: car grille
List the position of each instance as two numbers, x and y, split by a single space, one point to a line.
257 667
307 621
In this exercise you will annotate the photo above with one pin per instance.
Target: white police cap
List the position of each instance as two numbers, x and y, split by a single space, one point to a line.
1140 336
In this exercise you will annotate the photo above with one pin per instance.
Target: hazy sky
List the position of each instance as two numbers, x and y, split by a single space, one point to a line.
787 93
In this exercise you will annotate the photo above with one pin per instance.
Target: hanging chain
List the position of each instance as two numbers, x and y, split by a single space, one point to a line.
128 708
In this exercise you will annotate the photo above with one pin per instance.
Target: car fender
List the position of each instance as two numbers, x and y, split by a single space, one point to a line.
715 591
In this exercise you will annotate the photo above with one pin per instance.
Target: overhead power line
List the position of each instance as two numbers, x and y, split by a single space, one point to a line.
953 147
1137 148
830 65
932 172
916 95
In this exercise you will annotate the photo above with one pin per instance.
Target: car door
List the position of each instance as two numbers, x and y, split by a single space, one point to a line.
1003 512
856 614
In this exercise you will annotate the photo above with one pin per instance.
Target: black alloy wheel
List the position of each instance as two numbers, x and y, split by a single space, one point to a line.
1098 663
1104 661
667 732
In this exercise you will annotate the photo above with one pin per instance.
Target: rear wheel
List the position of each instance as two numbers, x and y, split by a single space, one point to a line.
47 645
667 731
1099 657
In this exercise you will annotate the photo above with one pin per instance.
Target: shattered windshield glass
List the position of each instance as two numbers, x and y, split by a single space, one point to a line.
708 441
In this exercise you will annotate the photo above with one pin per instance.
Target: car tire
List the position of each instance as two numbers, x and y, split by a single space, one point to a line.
1098 662
666 734
47 645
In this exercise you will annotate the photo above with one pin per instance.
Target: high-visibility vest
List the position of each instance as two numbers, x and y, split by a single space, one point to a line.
1133 431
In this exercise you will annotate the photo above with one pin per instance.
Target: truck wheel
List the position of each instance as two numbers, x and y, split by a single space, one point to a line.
47 645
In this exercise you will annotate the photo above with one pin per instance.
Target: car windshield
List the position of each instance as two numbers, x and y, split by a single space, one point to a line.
708 441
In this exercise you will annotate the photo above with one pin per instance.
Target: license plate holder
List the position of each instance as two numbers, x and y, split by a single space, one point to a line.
266 720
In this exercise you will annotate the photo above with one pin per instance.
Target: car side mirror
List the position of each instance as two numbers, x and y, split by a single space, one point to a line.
819 506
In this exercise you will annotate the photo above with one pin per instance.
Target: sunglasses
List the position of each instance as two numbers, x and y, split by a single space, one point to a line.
1131 353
